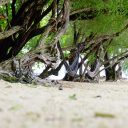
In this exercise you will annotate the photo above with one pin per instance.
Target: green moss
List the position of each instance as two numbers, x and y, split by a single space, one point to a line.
9 78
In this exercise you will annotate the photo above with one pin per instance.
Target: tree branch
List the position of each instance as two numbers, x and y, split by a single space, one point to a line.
83 14
10 32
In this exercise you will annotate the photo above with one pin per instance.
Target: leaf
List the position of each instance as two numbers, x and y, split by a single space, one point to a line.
73 97
78 119
16 107
104 115
33 116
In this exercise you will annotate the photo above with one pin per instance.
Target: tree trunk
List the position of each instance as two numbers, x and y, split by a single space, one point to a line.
110 74
110 70
92 74
119 72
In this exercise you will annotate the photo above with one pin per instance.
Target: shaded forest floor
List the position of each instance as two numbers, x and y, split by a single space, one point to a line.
78 105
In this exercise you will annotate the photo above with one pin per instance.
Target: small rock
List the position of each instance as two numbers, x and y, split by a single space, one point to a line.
60 87
98 96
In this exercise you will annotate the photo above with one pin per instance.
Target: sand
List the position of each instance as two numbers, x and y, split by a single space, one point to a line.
78 105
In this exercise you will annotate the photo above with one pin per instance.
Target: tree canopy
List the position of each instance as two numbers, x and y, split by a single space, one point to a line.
82 35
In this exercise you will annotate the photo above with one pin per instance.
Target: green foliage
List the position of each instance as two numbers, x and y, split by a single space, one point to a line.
67 39
3 22
91 58
85 3
45 20
125 66
66 53
112 17
31 45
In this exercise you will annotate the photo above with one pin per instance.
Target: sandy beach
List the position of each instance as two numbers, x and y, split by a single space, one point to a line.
78 105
